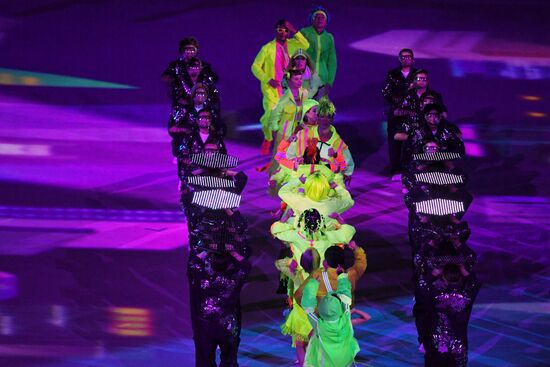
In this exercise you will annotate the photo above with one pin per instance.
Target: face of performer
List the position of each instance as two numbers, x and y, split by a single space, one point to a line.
295 81
199 97
319 21
427 100
194 70
433 117
281 34
188 52
203 120
312 115
421 81
300 63
324 121
406 59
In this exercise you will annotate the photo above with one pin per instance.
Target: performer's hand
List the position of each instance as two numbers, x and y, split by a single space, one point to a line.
290 27
274 83
352 245
302 179
332 153
292 266
289 302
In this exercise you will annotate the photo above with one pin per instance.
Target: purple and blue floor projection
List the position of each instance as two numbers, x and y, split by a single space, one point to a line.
94 246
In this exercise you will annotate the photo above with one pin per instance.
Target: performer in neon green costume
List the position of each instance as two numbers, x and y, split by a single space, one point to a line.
321 46
269 66
333 343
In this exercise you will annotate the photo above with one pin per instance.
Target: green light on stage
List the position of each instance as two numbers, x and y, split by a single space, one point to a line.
32 79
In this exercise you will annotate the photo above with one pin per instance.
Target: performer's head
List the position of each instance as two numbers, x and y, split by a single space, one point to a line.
406 57
325 112
281 30
294 78
317 187
300 60
220 261
312 220
204 119
451 274
309 111
421 79
335 257
189 47
319 18
194 67
199 93
432 114
310 260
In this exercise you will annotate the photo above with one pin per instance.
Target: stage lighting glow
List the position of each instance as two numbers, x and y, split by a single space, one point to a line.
34 79
467 52
130 321
537 115
31 150
531 98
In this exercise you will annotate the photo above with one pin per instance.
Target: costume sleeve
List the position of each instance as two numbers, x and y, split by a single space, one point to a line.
360 265
300 41
344 199
309 295
258 64
350 164
331 62
387 90
281 156
275 114
343 235
283 266
344 288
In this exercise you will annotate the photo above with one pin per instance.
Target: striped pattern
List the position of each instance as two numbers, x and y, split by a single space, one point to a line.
216 199
439 178
214 160
439 207
211 181
436 156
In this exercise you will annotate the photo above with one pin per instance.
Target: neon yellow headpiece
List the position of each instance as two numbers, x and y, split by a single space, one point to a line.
317 187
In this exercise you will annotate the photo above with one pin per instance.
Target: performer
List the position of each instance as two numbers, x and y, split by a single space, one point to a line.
396 87
216 281
310 78
269 67
333 343
296 323
321 48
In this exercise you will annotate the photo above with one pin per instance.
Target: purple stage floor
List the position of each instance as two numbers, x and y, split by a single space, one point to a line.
91 232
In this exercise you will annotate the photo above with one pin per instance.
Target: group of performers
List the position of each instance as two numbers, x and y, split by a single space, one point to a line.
310 171
209 195
426 158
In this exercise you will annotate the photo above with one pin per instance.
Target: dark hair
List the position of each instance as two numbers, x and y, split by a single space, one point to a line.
188 41
280 23
316 9
421 71
194 61
312 219
451 273
433 106
220 261
199 86
335 256
406 50
205 109
310 260
291 72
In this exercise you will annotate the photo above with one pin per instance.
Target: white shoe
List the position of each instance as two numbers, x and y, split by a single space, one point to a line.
396 177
